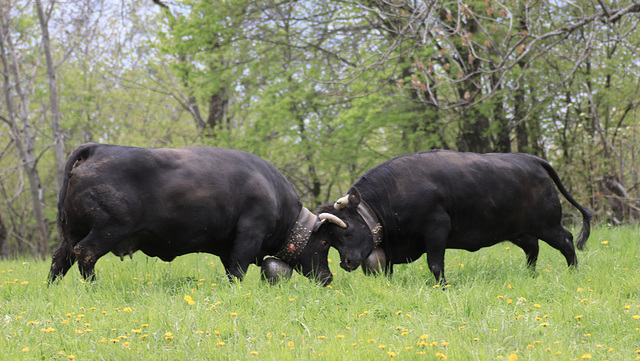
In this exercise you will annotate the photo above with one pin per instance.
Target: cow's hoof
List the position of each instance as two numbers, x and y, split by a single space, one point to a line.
274 270
375 263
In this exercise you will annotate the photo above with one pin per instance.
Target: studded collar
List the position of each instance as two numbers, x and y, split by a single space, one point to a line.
298 237
372 221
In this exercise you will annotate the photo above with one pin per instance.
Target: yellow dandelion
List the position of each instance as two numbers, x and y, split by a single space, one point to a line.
509 301
233 313
536 305
127 309
290 344
382 346
445 344
529 347
586 356
513 357
26 349
441 355
71 357
424 337
391 353
635 317
24 283
168 336
578 317
322 337
254 352
340 336
221 343
501 297
604 242
544 324
189 300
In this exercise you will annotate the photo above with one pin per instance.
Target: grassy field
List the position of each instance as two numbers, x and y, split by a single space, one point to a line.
186 310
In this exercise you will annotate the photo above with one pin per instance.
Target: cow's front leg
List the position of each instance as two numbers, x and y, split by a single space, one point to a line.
234 269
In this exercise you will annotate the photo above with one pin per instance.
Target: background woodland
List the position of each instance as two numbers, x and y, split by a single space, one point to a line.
324 90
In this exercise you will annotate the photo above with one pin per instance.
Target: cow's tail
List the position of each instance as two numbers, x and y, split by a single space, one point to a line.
586 213
77 157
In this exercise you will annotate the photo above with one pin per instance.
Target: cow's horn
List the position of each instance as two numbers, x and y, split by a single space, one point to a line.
341 203
332 218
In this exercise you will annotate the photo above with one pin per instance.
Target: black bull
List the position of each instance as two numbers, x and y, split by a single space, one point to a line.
170 202
430 201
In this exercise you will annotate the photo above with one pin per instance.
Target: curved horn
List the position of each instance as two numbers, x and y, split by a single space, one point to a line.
341 203
332 218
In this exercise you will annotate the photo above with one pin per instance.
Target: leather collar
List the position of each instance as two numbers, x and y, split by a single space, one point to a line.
372 221
298 237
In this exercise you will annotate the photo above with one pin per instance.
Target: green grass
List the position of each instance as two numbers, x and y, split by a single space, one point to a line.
493 309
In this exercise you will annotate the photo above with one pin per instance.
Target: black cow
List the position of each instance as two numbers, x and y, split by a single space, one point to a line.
170 202
430 201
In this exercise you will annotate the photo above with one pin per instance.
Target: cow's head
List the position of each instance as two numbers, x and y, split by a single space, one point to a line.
342 227
306 254
313 263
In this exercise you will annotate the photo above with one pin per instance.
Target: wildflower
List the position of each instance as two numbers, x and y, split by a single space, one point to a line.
71 357
636 317
586 356
254 352
382 346
189 300
340 336
127 309
536 305
513 357
445 344
544 324
26 349
221 343
441 355
168 336
391 353
233 313
424 337
578 317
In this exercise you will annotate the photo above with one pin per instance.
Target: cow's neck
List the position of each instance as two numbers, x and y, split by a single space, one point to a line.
298 237
372 222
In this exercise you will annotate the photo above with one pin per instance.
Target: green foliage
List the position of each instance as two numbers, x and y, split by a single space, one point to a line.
186 309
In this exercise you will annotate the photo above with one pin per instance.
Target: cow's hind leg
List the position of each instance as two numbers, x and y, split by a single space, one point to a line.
61 261
529 245
92 247
562 240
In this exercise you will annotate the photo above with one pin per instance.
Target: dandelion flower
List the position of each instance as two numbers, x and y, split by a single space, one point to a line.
340 336
382 346
636 317
441 355
513 357
254 352
424 337
586 356
127 309
578 317
391 353
26 349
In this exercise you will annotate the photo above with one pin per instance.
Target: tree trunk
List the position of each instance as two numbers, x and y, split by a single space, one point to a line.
58 136
18 120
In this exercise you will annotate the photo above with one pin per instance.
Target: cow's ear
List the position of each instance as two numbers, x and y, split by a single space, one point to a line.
354 198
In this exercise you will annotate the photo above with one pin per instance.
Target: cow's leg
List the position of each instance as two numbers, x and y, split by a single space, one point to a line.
436 244
529 245
245 248
95 245
62 259
562 240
